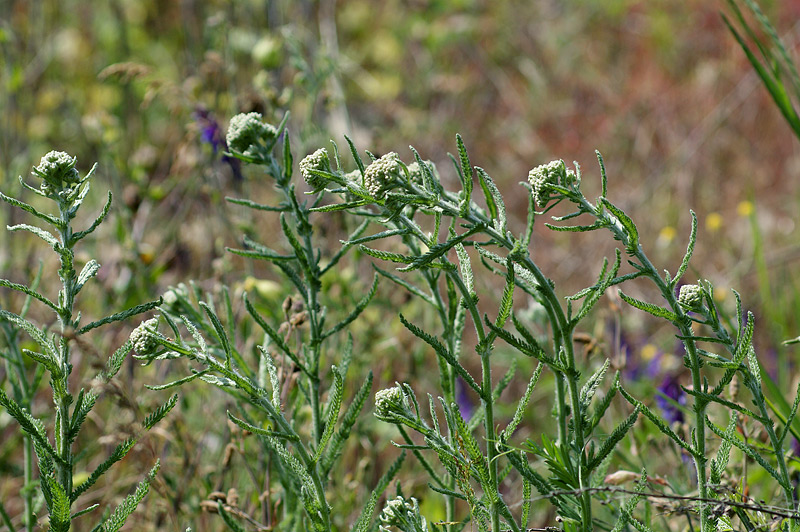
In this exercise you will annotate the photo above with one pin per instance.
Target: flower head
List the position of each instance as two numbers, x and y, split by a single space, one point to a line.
143 337
403 514
58 173
318 161
247 134
552 173
391 402
691 297
381 174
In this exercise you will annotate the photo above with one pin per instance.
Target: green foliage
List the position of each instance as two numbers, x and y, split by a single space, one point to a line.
61 184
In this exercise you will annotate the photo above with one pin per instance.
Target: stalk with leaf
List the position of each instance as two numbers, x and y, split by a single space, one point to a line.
299 364
54 449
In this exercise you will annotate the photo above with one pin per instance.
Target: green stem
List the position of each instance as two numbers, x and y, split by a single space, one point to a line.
30 518
61 394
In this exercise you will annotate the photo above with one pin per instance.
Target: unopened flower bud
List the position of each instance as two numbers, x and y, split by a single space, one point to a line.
691 297
417 172
143 337
57 170
247 134
403 514
552 173
318 161
381 174
390 402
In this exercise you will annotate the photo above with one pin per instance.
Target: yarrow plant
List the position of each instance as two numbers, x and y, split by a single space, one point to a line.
579 454
287 379
55 448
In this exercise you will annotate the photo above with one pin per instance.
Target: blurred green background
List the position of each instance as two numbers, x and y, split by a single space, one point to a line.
146 88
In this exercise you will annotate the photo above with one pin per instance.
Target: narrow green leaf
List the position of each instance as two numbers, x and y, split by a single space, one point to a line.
507 301
83 405
655 310
442 351
729 404
466 269
258 251
220 333
102 216
128 506
590 387
87 272
478 461
386 255
229 520
120 316
522 404
627 233
52 220
261 431
50 356
273 335
356 157
440 250
405 284
116 455
159 413
256 206
349 419
178 382
495 201
334 405
612 440
465 173
59 508
657 421
689 251
364 519
752 453
719 463
603 176
791 417
28 291
357 310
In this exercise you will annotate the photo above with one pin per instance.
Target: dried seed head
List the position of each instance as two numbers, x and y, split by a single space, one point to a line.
552 173
143 337
691 297
318 161
57 171
247 133
381 174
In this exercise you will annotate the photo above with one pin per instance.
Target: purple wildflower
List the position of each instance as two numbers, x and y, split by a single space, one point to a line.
211 133
465 404
670 392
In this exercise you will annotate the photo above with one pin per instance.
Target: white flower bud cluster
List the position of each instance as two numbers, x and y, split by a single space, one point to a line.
552 173
380 175
402 514
57 170
691 297
417 173
246 131
143 337
389 401
319 161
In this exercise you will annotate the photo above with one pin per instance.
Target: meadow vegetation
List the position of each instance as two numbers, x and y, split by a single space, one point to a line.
263 310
